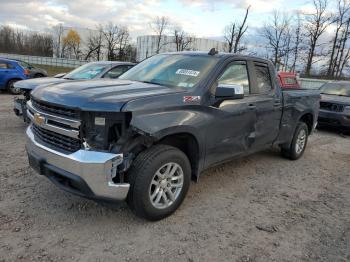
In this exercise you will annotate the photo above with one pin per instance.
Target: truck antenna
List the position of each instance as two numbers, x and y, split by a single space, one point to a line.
212 52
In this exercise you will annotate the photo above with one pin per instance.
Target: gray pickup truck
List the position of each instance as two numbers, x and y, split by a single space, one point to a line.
142 137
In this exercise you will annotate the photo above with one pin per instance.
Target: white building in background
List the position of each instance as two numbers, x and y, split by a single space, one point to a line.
147 45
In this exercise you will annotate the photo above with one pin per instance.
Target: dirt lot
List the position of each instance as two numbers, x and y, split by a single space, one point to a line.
260 208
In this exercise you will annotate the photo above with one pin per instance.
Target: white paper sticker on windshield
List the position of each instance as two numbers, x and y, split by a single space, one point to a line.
187 72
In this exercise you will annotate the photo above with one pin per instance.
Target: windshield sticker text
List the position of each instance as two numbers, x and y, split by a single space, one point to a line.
187 72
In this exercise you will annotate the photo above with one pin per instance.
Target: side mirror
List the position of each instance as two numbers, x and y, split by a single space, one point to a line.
229 91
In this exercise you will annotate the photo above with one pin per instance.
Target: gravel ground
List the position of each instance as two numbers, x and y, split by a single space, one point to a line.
259 208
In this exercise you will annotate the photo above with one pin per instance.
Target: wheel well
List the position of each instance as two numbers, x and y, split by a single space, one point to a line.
188 144
308 119
8 81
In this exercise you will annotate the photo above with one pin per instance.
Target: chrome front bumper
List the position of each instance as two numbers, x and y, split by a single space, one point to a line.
86 173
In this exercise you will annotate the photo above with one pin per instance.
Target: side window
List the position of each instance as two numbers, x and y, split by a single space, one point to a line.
263 78
116 72
236 74
3 65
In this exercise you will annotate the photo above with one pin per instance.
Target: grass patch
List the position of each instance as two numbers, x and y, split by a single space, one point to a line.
54 70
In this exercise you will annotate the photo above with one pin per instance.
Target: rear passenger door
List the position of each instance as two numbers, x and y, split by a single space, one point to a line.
268 104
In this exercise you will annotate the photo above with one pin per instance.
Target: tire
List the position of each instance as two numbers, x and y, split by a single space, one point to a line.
295 151
12 89
144 170
38 75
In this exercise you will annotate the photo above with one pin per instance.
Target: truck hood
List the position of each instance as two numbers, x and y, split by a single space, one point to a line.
99 95
335 99
31 84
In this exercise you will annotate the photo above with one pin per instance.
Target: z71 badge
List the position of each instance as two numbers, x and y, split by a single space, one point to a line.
190 99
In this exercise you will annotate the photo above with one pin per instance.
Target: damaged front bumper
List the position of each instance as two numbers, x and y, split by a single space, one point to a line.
85 173
20 108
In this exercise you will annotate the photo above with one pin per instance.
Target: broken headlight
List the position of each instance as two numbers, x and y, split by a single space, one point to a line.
100 130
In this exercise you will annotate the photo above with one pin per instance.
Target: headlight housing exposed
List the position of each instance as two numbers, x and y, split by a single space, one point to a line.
100 130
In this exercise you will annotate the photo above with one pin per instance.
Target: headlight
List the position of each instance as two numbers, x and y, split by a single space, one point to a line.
101 130
347 110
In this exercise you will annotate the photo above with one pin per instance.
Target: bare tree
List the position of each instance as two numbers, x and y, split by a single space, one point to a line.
316 24
94 44
110 33
159 26
24 42
276 33
57 33
182 40
340 59
234 33
340 20
297 39
122 43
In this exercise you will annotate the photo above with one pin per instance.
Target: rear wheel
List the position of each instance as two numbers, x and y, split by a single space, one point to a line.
159 180
38 75
12 89
299 142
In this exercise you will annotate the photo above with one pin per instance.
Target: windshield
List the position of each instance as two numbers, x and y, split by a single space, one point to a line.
172 70
87 71
338 89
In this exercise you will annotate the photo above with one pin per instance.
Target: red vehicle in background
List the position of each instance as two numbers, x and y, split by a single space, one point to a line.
288 80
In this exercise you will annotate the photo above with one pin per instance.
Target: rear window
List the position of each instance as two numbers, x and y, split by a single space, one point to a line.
339 89
24 65
290 81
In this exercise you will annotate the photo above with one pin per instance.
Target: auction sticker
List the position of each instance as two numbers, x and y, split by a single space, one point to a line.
189 99
187 72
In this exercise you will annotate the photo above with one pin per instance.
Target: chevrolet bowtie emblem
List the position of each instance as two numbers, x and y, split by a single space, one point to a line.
38 119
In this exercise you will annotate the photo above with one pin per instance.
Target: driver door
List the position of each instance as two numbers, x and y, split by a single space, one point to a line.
233 130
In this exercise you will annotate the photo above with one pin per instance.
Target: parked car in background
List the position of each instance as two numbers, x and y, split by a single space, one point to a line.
93 70
288 80
34 72
144 136
12 71
335 105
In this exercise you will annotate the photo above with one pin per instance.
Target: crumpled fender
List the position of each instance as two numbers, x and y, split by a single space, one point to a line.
161 124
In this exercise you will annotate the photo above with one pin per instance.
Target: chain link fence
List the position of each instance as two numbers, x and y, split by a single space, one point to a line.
51 61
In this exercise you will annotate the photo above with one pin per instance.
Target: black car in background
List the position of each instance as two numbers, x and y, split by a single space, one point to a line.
93 70
335 105
34 72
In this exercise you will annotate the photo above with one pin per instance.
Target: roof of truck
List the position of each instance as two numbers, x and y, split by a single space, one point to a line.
219 54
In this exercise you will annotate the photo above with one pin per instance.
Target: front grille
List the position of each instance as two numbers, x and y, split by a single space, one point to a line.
331 107
55 140
57 110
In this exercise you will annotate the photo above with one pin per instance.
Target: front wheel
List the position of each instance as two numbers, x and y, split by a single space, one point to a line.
12 89
159 180
298 144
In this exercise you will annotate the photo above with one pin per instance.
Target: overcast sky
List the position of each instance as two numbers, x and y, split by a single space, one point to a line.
203 18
